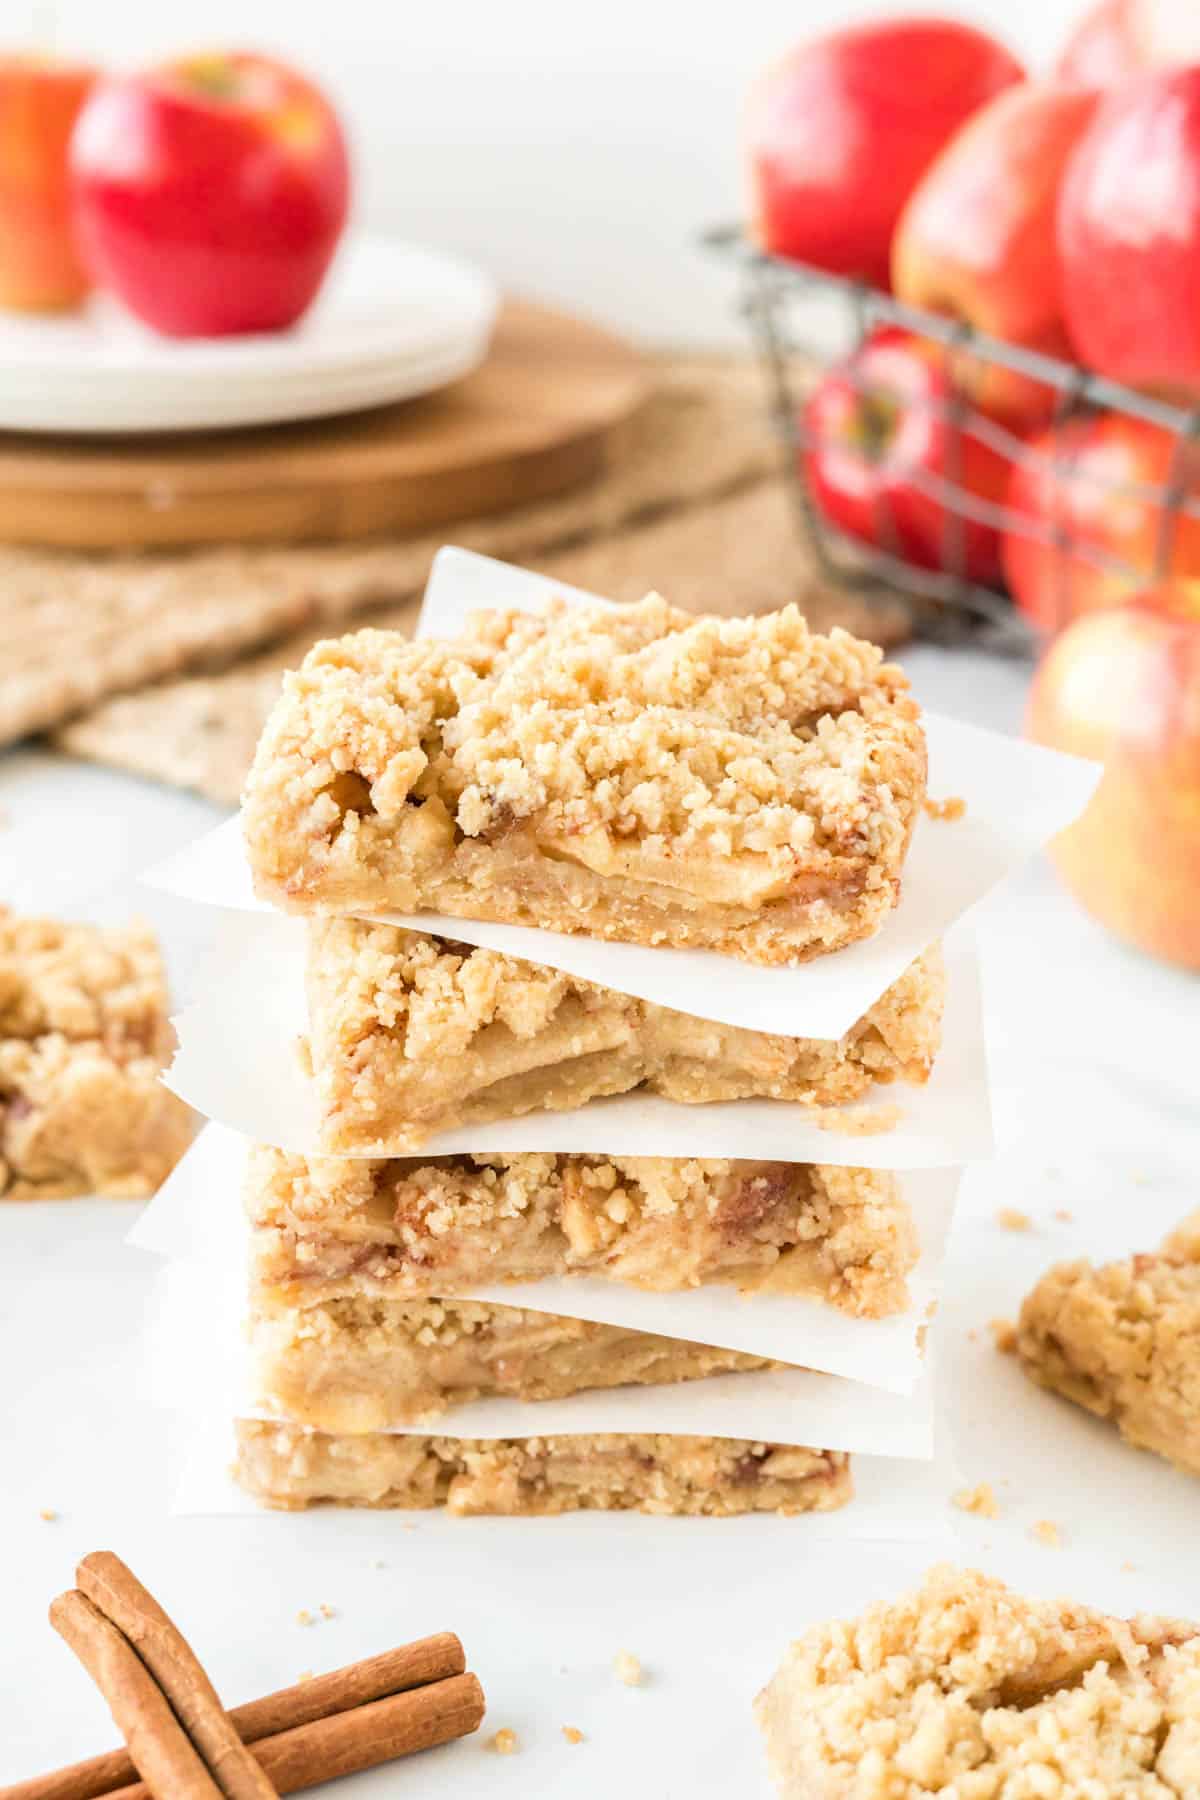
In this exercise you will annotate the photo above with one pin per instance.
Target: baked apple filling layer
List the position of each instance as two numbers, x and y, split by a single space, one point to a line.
717 1477
359 1365
410 1035
329 1227
630 772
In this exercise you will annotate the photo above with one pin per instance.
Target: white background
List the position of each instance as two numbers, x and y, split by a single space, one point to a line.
574 149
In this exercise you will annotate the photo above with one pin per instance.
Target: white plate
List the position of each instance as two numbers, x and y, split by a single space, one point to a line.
392 321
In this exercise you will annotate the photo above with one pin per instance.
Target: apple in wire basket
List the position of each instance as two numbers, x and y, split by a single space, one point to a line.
1123 687
839 132
1088 516
210 192
1129 236
977 239
892 459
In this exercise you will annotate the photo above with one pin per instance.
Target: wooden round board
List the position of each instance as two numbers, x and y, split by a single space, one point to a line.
533 421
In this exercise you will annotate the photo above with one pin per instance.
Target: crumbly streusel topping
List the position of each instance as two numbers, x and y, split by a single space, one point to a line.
748 737
83 983
966 1690
735 734
84 1035
1121 1339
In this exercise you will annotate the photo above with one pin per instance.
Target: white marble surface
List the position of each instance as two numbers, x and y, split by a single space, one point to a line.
1094 1058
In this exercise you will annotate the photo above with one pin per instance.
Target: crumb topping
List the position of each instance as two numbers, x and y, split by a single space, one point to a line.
84 1036
639 744
1121 1340
966 1690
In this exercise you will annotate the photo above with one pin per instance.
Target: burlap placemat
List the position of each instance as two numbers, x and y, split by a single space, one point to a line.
78 628
692 503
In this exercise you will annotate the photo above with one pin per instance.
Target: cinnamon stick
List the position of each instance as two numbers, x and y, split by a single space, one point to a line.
395 1671
347 1742
116 1592
160 1748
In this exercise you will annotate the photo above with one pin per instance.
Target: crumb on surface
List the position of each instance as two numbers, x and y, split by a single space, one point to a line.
48 1513
980 1500
1014 1220
305 1675
304 1617
1004 1335
951 808
572 1734
1046 1532
504 1742
1128 1568
627 1668
1064 1214
327 1611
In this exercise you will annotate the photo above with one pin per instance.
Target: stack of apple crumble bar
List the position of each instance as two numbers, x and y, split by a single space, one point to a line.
742 788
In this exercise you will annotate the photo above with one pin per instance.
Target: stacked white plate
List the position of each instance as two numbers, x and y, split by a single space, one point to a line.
392 321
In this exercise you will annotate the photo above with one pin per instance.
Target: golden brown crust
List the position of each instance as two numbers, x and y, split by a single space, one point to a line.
632 772
412 1034
359 1365
716 1477
1123 1340
968 1691
84 1036
326 1227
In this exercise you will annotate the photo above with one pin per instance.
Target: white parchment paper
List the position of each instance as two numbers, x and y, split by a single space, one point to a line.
198 1217
1017 795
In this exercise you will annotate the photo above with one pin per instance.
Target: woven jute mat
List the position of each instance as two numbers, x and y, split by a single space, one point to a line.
167 665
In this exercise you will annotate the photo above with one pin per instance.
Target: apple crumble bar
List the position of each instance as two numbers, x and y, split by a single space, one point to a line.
84 1035
1123 1340
718 1477
360 1365
630 772
326 1227
968 1691
412 1034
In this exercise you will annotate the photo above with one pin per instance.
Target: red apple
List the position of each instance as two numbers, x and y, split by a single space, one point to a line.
1096 486
977 238
840 131
1123 687
210 193
886 464
1129 235
40 270
1121 38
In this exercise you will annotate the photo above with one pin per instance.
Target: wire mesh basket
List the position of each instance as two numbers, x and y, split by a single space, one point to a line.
804 320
